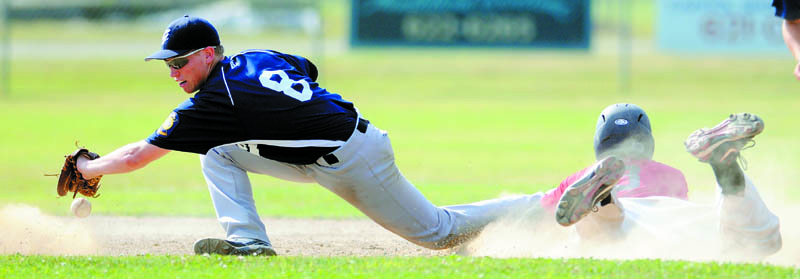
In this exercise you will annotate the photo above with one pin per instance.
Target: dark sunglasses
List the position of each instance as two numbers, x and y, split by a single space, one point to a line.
178 62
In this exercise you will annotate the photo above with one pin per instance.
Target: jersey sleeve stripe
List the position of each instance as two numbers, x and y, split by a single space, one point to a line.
224 80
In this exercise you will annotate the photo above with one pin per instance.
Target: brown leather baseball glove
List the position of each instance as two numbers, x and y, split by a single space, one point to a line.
71 180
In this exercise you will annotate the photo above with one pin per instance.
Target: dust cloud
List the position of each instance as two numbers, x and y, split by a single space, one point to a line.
672 230
690 234
516 238
26 230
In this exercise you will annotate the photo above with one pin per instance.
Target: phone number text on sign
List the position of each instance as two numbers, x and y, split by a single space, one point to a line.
526 23
736 29
478 28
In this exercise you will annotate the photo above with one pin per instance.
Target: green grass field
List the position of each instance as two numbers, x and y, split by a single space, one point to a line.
474 126
466 125
375 267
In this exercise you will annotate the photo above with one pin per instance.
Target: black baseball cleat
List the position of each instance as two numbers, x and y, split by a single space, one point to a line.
226 247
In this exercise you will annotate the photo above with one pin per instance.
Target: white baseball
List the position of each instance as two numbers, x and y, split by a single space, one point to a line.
81 207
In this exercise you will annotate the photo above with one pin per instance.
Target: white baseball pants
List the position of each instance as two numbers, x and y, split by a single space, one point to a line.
365 176
736 227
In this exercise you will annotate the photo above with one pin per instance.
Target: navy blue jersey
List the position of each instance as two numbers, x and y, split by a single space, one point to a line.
263 97
787 9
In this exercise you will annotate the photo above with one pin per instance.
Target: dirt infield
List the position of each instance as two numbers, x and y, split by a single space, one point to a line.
291 237
28 231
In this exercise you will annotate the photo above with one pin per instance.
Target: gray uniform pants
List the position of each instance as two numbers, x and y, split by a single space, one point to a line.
365 176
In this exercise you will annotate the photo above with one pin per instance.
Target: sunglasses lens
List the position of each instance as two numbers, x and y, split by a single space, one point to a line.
177 63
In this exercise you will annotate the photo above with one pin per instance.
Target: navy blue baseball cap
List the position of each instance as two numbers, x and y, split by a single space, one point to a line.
185 34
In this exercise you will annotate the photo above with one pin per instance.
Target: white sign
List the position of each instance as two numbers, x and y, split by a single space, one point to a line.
719 26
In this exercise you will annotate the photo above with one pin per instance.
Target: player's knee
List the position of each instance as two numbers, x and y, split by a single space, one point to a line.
213 159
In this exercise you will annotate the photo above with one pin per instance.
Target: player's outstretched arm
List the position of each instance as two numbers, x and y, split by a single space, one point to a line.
125 159
791 35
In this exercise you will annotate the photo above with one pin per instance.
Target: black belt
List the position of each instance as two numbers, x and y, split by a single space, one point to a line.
361 127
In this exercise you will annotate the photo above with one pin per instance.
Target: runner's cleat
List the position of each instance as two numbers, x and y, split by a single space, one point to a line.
723 142
226 247
583 196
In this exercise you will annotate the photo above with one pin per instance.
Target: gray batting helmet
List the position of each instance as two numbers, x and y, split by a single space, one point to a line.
623 130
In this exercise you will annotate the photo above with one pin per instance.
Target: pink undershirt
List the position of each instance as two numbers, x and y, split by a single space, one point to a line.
642 178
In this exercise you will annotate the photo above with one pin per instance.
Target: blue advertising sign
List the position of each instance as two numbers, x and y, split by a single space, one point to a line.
522 23
719 26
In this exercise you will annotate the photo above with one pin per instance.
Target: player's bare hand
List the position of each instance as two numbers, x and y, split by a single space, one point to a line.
81 165
797 71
